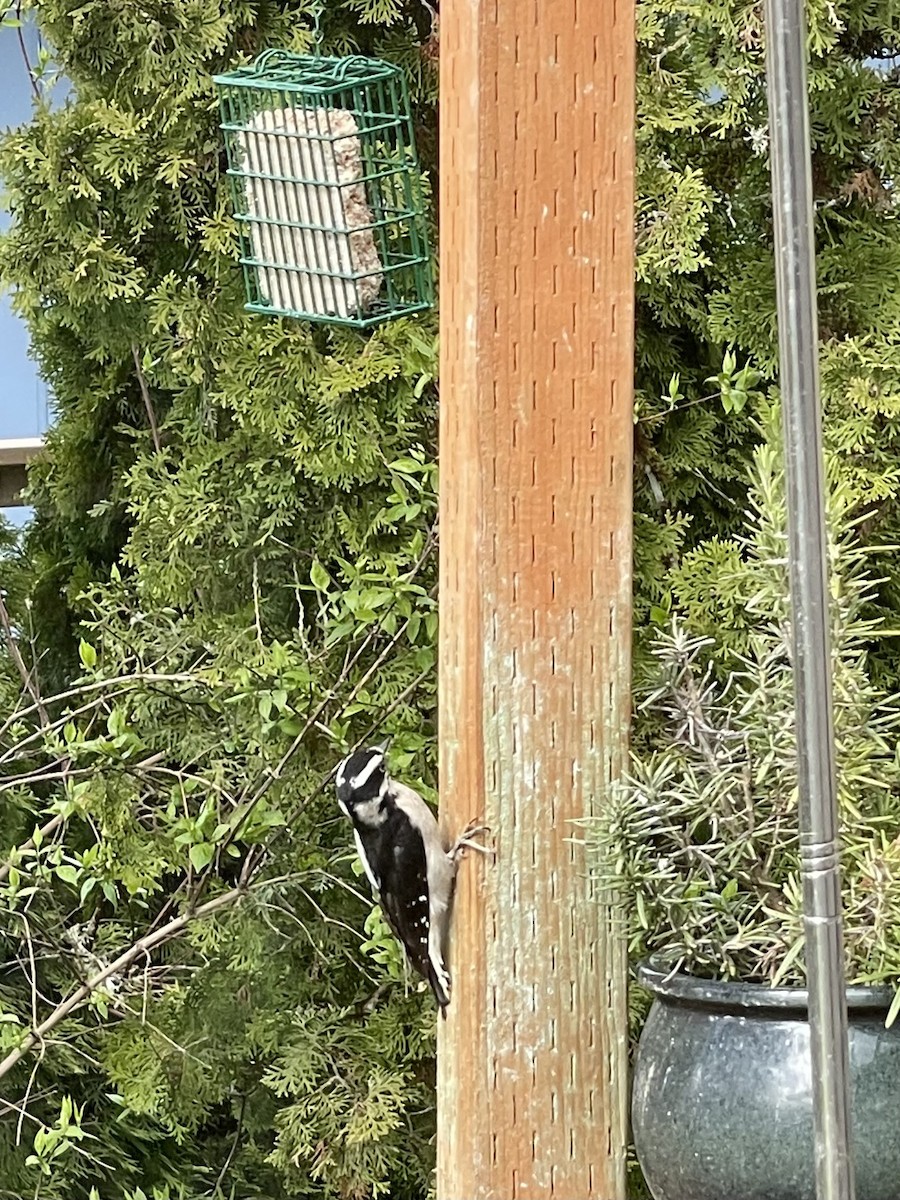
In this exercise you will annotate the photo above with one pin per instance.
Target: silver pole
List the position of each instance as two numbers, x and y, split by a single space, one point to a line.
802 415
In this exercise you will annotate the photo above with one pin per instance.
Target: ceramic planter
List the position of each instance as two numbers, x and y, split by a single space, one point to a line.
722 1100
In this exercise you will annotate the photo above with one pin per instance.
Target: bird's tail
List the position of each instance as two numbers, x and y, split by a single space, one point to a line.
439 981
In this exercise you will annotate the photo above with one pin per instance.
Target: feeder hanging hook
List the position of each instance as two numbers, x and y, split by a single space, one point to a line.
316 12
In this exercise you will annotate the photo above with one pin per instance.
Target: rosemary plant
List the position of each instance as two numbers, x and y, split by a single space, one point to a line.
702 840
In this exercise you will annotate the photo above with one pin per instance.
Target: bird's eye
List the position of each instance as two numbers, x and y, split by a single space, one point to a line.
375 760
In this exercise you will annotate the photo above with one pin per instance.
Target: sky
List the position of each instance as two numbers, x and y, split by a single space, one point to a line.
23 395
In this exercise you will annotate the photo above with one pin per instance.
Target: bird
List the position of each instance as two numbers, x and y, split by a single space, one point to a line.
404 858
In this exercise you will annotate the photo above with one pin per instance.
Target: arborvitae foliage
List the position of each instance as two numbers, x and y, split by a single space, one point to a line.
235 519
233 580
706 287
122 253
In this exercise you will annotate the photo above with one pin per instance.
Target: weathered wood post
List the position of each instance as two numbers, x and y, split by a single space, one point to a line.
536 441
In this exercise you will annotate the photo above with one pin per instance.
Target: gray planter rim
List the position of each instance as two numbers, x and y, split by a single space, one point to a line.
672 984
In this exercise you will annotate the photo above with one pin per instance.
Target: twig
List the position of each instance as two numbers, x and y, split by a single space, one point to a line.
15 751
322 913
12 645
44 832
21 35
27 1096
10 1106
19 714
234 1146
9 782
98 685
256 613
145 392
30 944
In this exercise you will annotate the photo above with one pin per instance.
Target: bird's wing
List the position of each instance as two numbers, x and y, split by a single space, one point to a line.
406 906
404 899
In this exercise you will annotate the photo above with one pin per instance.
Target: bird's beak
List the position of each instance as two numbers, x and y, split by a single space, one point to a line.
383 746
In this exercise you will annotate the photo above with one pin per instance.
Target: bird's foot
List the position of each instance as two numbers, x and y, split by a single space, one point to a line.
465 842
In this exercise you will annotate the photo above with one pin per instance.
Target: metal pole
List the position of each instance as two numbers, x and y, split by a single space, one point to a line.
802 416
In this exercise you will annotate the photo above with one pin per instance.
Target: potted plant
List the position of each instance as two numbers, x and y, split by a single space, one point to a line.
703 847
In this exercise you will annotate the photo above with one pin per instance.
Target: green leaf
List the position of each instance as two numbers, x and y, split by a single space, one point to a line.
87 654
320 578
201 854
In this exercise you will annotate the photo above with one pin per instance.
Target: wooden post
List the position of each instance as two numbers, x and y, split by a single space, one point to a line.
536 443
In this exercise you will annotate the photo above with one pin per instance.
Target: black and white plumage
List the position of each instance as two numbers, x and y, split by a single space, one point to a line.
404 858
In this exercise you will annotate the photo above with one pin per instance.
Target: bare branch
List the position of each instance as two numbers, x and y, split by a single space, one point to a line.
21 36
12 645
98 685
234 1147
139 948
148 402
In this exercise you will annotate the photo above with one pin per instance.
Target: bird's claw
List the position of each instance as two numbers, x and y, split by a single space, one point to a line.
464 842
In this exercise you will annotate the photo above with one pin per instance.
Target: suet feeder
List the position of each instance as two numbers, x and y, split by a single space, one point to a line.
326 188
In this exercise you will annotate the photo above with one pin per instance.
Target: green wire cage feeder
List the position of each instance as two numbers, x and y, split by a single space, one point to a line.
326 188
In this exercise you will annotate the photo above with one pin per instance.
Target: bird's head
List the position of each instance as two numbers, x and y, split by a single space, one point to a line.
361 775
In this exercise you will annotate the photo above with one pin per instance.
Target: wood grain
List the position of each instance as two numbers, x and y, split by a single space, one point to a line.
536 426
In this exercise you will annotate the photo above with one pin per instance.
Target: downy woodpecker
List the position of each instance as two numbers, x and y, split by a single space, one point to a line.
404 859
